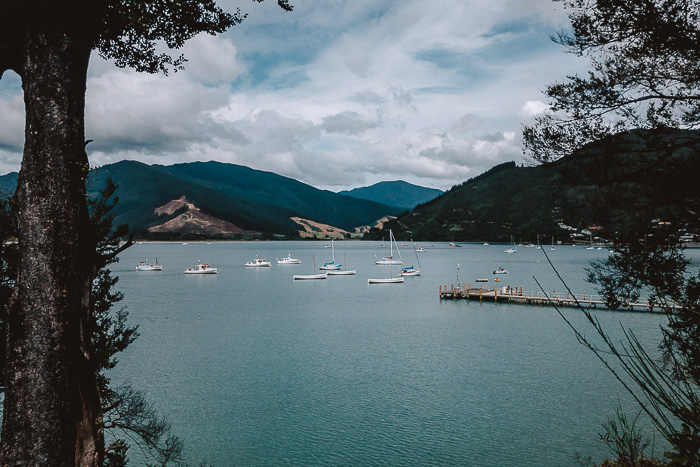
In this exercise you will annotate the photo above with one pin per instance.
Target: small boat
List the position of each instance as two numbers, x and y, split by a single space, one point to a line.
200 268
343 272
410 271
455 245
144 266
331 266
258 263
306 277
390 260
482 280
391 279
288 260
486 243
512 248
420 249
500 270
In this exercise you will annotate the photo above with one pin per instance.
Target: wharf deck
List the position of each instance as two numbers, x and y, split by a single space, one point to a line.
517 295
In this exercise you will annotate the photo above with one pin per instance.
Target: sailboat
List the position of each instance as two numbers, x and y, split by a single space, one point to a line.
390 280
389 260
512 248
552 244
411 270
331 266
343 272
301 277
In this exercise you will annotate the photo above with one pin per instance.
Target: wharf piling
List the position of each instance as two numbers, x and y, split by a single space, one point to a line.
517 295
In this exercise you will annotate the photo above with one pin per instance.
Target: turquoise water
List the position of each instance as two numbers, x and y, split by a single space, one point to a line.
254 368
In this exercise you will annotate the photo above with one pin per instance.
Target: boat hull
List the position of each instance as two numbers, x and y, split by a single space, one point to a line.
149 268
393 280
351 272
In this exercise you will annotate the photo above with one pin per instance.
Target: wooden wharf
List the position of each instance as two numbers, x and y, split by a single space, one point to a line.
517 295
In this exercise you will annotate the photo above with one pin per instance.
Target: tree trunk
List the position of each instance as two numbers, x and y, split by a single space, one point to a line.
52 413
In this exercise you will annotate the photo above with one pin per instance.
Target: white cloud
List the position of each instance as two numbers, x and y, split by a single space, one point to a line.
336 93
533 108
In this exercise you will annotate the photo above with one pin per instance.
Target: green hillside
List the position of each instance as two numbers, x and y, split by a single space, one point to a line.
632 177
398 193
251 199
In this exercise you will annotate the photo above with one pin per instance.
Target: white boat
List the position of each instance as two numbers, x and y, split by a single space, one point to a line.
331 266
410 271
200 268
455 245
393 280
390 260
500 270
420 249
288 260
258 263
144 266
306 277
512 248
486 243
342 272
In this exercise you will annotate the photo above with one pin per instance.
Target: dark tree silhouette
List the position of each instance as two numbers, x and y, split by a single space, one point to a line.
52 411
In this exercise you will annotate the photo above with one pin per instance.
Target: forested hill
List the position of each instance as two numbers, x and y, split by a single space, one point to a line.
233 199
397 193
636 176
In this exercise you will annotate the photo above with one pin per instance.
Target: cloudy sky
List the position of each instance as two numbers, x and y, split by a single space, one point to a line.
337 94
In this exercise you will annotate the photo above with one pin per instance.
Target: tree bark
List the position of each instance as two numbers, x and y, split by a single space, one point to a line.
52 412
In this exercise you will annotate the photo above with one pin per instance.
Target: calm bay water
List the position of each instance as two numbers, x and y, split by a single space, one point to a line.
254 368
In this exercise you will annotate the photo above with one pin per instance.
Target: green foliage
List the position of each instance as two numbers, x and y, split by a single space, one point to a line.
644 73
624 439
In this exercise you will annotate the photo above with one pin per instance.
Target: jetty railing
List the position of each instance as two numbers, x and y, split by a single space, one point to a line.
517 295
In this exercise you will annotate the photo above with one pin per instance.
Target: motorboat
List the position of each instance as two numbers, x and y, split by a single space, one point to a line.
420 249
258 263
144 266
288 260
202 269
500 270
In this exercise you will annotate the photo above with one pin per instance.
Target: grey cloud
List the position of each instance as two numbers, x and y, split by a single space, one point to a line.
347 122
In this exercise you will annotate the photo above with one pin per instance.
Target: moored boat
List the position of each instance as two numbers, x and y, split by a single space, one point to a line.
288 260
200 268
258 263
144 266
500 270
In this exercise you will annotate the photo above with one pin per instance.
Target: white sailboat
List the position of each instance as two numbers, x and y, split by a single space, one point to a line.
390 280
304 277
331 266
512 248
342 272
390 260
411 270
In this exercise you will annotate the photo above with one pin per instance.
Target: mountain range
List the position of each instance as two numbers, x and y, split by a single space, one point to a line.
399 193
217 200
632 178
